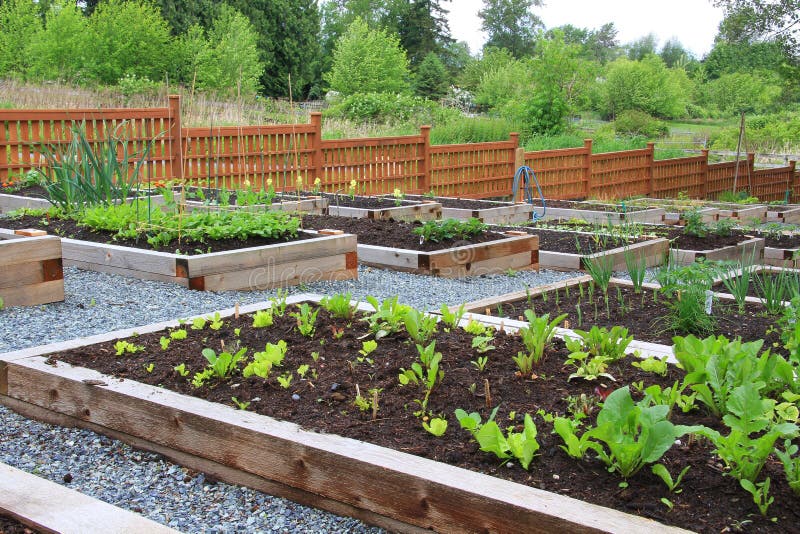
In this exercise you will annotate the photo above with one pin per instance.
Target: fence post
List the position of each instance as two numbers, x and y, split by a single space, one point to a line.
425 162
651 149
751 167
587 146
704 183
316 148
793 181
175 137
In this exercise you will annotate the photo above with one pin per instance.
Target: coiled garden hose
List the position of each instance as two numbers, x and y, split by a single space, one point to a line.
525 173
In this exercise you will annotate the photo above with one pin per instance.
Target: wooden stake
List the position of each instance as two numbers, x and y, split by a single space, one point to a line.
236 311
488 311
487 392
502 326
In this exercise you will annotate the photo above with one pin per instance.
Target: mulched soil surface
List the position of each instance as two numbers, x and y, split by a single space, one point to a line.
780 240
9 525
69 228
709 502
389 233
35 191
640 313
574 242
371 203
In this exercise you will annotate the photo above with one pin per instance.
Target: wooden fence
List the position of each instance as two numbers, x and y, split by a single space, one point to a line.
288 156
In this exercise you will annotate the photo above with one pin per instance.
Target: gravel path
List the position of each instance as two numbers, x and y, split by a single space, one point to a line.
147 483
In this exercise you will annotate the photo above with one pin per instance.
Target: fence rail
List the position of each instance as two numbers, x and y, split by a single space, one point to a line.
295 155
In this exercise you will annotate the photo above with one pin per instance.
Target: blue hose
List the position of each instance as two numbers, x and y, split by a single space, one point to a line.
526 173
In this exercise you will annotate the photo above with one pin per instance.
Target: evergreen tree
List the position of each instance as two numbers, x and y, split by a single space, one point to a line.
432 78
422 27
510 24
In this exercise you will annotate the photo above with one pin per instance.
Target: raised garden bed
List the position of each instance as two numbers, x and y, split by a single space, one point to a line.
707 215
789 213
13 202
30 268
211 199
742 247
486 211
382 208
745 213
487 253
602 213
45 506
388 487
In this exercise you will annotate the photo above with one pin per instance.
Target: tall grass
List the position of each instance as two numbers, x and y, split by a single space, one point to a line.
473 130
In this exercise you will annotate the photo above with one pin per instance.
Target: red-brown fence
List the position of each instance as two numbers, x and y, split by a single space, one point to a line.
251 156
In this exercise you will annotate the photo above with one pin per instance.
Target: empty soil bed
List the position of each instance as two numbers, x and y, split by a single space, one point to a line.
370 203
575 242
589 206
70 229
322 400
9 525
389 233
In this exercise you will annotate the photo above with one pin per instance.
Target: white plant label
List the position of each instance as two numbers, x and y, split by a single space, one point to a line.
709 300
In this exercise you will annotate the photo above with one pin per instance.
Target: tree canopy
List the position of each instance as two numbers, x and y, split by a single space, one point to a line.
510 24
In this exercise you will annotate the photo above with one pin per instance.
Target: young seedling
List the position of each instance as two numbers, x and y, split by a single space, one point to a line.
437 426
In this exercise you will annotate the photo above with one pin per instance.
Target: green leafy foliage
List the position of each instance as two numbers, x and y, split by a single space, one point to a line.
420 327
451 319
437 426
791 464
264 361
262 318
224 363
652 365
535 337
627 436
519 445
339 305
388 317
306 318
125 347
450 229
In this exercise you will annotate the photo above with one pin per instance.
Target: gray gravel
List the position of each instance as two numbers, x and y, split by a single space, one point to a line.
146 483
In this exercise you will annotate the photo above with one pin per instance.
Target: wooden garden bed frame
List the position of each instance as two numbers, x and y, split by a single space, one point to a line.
310 205
754 246
31 268
423 211
10 203
517 251
645 216
50 507
654 252
392 489
501 213
741 212
707 216
330 257
788 214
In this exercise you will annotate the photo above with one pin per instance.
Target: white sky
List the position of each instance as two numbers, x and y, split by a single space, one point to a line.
693 22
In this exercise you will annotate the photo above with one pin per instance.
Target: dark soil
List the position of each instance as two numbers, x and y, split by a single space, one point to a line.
462 203
34 191
760 277
371 203
641 314
574 242
774 240
9 525
70 229
324 402
396 234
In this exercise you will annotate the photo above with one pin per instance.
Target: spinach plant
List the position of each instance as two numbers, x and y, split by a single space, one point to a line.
339 305
520 445
451 319
388 317
420 327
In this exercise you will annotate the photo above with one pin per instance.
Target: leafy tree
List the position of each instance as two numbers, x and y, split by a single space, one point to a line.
599 45
759 20
728 57
191 50
183 14
368 61
128 38
20 21
645 85
674 54
422 27
510 24
229 62
492 60
641 47
288 42
432 79
60 50
742 92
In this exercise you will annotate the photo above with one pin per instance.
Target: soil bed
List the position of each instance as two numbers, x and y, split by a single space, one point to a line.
9 525
323 401
70 229
575 242
589 206
388 233
641 314
463 203
370 203
32 191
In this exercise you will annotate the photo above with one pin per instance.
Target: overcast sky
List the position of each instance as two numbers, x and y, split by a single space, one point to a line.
693 22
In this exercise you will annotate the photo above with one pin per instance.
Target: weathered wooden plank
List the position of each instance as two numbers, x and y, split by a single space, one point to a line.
29 249
269 274
107 255
10 203
410 489
751 247
416 212
48 506
131 273
392 258
481 252
41 293
269 255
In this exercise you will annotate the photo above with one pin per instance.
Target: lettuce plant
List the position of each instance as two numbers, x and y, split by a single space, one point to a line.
519 445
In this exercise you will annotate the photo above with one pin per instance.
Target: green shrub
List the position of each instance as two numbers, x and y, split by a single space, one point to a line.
384 107
634 122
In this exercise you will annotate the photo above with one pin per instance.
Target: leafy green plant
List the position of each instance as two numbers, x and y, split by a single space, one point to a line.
535 337
285 380
426 371
601 269
224 363
181 369
520 445
694 225
627 436
437 426
480 363
339 305
587 367
686 289
420 327
242 405
723 227
264 361
262 318
661 471
652 365
451 319
306 319
83 172
450 229
477 329
388 317
198 323
791 464
126 347
482 344
278 302
760 493
600 342
776 287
